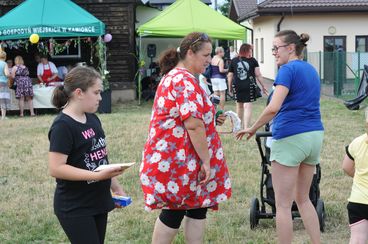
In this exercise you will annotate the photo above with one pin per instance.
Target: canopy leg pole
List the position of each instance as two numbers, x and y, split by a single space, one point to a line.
139 70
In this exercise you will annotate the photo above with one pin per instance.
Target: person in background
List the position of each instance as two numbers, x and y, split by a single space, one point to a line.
4 87
46 71
232 52
183 170
355 165
24 90
77 147
149 85
62 71
10 64
243 72
218 76
298 132
203 83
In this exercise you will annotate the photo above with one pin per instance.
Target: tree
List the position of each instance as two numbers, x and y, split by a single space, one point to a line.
224 8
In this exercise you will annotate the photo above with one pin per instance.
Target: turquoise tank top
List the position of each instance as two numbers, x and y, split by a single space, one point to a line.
3 78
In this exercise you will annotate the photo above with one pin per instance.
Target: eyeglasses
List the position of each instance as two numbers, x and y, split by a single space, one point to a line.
202 37
275 49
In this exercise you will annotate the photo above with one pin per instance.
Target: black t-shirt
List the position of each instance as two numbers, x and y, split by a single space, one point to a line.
243 68
85 146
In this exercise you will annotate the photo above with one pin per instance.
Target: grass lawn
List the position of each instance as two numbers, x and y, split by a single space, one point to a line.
26 189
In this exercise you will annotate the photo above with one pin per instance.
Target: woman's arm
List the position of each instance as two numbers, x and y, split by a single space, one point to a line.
14 69
6 71
221 66
197 134
260 80
348 166
59 169
268 113
116 187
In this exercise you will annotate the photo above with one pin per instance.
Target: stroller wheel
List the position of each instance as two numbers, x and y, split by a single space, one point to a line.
253 213
320 208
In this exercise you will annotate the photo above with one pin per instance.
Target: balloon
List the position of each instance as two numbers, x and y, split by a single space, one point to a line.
107 38
34 38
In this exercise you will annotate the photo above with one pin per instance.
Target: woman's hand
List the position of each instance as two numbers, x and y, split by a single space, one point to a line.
249 131
109 173
205 173
220 119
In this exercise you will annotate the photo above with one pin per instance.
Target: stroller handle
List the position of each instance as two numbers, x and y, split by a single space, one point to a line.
263 134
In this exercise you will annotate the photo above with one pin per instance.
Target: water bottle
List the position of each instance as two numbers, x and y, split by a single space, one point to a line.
216 101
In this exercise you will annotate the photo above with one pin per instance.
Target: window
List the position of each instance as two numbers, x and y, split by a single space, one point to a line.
256 49
262 51
334 43
361 43
66 48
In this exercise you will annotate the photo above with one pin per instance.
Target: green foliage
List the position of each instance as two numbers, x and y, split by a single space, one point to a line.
224 8
100 52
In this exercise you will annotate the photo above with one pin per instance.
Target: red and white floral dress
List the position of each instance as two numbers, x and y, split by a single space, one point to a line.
170 166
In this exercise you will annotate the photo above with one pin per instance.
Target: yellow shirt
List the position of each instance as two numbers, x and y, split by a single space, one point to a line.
358 149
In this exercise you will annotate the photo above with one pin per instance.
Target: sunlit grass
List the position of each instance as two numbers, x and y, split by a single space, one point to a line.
26 189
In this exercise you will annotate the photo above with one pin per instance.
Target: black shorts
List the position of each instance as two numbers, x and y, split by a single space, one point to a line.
173 218
244 93
357 212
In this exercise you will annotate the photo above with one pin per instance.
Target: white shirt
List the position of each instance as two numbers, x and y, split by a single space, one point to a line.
50 65
233 55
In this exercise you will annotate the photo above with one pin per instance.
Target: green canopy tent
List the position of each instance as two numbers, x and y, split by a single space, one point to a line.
185 16
49 18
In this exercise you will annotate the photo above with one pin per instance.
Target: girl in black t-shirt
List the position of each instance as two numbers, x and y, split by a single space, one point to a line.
77 147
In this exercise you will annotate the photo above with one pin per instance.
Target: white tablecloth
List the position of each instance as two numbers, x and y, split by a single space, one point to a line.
41 99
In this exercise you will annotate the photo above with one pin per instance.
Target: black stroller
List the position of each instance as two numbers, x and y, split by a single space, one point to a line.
354 104
258 209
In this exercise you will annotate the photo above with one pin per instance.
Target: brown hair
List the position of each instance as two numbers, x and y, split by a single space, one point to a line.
170 58
290 37
245 48
81 77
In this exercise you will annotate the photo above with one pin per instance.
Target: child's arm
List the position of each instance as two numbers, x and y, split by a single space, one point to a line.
348 166
59 169
116 187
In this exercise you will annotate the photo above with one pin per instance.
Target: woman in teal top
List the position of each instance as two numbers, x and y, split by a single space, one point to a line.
298 133
4 89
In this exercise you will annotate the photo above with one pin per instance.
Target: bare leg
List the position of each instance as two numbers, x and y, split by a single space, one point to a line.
305 206
247 114
359 232
3 113
21 106
194 230
283 180
30 104
240 112
222 99
163 234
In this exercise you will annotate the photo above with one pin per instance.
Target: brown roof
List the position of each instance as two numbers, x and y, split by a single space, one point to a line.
299 6
313 3
244 5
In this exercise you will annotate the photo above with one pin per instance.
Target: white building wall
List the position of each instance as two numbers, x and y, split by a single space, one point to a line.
317 26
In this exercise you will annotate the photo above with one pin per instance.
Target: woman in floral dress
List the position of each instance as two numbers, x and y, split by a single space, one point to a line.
24 91
183 171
